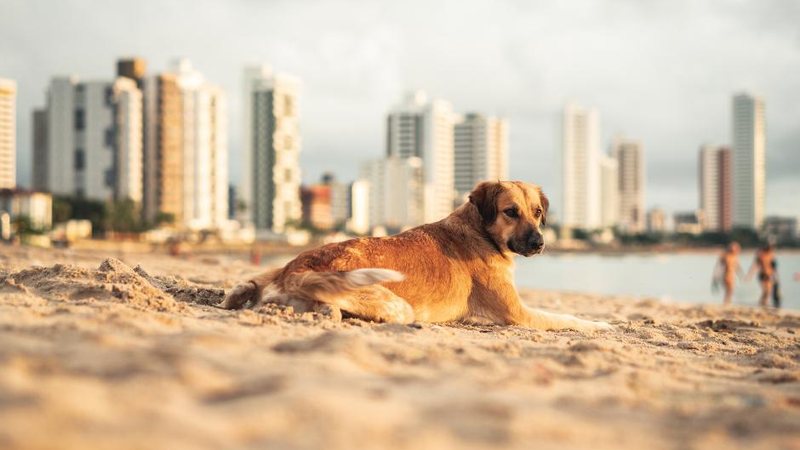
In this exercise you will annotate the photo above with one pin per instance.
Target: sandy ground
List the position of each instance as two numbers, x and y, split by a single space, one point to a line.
96 353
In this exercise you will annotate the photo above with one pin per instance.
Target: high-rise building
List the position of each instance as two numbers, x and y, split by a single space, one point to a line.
186 156
359 207
580 168
481 151
714 181
630 163
8 134
133 68
396 192
93 144
748 138
40 149
609 192
163 149
271 188
421 128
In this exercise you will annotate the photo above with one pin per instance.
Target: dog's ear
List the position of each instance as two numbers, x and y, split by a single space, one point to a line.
484 197
545 206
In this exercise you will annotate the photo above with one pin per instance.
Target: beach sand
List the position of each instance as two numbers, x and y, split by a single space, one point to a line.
96 352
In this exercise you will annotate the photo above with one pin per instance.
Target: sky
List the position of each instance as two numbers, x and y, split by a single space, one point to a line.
662 72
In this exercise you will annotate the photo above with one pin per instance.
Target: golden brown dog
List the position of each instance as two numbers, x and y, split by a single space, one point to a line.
457 269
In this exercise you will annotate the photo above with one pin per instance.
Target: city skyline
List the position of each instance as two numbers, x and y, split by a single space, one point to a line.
355 71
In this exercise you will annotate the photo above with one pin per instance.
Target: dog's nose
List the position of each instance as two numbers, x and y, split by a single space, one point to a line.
535 241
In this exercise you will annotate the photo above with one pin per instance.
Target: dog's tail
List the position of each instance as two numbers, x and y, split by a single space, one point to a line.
358 292
312 284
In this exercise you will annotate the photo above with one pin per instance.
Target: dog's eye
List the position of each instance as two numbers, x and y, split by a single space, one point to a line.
538 212
511 212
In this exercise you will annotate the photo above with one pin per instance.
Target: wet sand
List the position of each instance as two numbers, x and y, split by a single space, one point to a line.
96 352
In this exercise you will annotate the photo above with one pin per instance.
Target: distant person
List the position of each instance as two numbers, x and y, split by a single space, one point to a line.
766 271
727 268
776 286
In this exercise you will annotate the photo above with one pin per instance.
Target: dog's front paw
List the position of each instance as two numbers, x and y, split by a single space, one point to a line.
241 295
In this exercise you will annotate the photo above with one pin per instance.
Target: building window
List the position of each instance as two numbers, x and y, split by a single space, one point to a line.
110 178
109 137
80 159
80 119
288 105
109 96
287 175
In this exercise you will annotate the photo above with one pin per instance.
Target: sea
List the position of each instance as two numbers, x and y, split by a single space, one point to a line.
670 277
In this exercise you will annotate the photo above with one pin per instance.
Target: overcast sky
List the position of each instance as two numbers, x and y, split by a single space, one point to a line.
659 71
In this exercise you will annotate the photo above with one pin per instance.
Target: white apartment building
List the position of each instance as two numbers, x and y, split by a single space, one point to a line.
609 192
481 151
396 192
630 163
580 156
421 128
271 187
92 140
8 133
714 183
359 207
205 149
748 138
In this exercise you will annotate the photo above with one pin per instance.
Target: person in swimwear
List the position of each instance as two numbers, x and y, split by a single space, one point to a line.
727 268
766 272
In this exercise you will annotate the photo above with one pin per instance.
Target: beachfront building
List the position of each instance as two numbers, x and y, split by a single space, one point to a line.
271 185
781 230
609 192
41 149
748 162
396 192
88 140
580 168
36 206
656 221
316 202
630 162
714 182
690 222
186 150
480 151
163 149
340 194
8 133
359 207
134 68
422 128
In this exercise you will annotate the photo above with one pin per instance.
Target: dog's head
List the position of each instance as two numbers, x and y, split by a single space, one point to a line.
513 214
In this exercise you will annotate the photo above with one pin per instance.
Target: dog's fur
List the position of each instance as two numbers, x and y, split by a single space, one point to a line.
457 269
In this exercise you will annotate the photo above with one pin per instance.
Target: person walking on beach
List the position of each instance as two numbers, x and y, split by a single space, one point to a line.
766 271
727 268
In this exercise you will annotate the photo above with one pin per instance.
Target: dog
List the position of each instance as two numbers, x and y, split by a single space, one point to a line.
459 269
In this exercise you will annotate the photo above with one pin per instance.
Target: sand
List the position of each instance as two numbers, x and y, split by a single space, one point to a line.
122 350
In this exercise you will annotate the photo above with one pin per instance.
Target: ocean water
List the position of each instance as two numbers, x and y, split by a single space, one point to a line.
680 277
